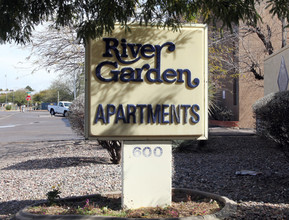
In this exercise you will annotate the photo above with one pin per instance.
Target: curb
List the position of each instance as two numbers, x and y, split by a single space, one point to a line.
220 131
229 208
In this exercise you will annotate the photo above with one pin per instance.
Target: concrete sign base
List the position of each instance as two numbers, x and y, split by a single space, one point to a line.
146 174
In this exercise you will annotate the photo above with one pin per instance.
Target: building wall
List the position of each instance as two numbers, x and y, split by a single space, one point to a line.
272 67
250 91
228 96
240 97
251 49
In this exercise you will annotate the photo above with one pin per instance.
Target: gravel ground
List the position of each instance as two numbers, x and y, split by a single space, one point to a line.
82 167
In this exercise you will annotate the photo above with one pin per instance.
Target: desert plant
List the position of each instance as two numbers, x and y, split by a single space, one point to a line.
113 148
273 110
76 119
221 113
53 195
213 97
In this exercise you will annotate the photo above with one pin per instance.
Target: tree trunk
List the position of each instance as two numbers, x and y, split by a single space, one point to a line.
284 32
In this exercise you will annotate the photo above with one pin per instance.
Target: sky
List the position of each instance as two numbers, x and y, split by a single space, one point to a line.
16 71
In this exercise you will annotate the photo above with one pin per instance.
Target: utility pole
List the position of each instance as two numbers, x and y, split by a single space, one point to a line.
6 88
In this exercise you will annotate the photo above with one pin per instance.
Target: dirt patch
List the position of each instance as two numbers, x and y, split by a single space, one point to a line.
183 205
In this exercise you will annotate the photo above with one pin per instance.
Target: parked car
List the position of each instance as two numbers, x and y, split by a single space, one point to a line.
61 108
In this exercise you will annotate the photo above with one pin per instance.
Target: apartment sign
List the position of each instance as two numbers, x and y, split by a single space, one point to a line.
148 83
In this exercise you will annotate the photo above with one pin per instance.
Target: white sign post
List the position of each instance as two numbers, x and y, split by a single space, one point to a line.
146 169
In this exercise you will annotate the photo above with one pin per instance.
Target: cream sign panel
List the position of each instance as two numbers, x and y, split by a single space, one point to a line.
148 83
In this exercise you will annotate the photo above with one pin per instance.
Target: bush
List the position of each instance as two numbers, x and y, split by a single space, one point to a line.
76 119
76 115
8 107
272 110
221 113
186 146
263 101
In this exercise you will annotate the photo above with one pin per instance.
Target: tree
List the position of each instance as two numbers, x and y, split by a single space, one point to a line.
47 96
63 88
2 97
279 8
20 97
93 18
59 50
272 29
28 88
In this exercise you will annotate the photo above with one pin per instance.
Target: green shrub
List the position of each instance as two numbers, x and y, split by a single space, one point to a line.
263 101
221 113
53 195
8 107
272 110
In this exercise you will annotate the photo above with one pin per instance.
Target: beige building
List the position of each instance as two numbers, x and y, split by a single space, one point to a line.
276 71
242 92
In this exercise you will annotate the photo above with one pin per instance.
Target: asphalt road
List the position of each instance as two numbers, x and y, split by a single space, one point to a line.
30 131
33 126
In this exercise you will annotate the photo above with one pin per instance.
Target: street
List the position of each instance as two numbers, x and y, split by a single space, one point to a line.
33 126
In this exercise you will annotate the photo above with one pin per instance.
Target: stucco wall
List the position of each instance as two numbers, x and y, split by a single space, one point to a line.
252 50
273 66
250 91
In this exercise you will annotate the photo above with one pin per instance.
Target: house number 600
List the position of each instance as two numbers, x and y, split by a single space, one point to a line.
147 152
